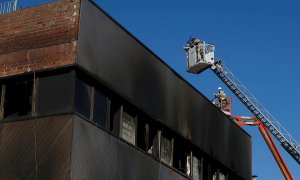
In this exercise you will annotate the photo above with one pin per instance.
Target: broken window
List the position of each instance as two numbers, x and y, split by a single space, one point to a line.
128 125
154 144
100 109
143 133
152 137
182 156
83 96
197 168
148 135
18 98
166 149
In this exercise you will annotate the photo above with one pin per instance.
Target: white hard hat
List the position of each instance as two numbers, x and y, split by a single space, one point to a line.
219 88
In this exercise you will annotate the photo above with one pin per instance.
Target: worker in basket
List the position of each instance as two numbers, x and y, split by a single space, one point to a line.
193 41
221 96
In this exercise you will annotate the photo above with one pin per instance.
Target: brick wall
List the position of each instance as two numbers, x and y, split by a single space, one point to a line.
39 37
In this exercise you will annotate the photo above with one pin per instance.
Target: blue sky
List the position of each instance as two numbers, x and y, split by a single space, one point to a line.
258 41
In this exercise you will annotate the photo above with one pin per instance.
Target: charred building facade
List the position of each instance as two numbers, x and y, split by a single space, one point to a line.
77 105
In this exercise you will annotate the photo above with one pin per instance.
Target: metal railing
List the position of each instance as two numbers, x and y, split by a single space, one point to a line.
8 6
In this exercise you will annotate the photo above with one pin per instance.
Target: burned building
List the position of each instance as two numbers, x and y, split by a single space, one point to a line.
77 105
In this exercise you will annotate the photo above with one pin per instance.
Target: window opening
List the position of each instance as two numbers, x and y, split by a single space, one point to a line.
100 109
154 141
197 168
128 125
115 116
166 149
143 133
83 96
18 98
182 156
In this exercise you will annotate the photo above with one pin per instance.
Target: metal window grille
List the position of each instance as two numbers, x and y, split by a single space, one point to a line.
8 6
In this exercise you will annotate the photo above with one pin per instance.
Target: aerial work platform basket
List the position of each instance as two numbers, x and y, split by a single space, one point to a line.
200 55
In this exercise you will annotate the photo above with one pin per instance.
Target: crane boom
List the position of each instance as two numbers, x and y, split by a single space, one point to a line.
258 110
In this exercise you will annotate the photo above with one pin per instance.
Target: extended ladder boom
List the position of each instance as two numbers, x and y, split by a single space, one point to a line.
263 115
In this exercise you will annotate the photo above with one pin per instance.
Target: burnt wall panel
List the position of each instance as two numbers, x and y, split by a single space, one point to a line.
54 138
17 159
94 154
169 174
36 148
55 93
98 155
123 64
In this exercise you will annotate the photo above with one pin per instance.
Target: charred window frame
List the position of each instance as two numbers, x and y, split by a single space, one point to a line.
18 97
128 124
166 148
182 159
148 135
123 120
153 145
197 167
143 132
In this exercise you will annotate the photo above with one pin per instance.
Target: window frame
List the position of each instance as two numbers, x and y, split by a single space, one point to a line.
92 109
162 133
135 118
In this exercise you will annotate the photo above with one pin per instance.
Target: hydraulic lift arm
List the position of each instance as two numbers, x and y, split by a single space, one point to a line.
261 113
253 121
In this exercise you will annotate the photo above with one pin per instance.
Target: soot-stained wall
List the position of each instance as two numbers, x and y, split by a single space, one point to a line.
122 63
114 159
36 149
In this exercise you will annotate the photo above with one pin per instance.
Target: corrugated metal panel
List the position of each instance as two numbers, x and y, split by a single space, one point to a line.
169 174
94 155
98 155
54 142
41 149
17 152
